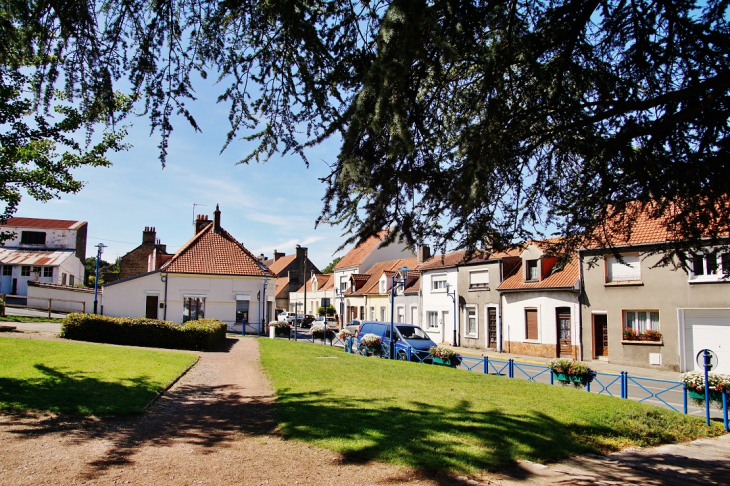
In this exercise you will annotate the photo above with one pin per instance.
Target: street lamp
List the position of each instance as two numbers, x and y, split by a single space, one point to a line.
453 298
100 247
339 294
394 284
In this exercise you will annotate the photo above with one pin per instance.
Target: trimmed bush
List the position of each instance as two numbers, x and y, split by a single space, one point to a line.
137 331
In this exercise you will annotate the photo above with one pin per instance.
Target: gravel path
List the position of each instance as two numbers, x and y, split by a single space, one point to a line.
213 427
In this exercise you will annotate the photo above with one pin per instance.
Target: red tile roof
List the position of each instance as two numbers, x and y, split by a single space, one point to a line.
443 261
324 282
377 270
45 223
565 278
213 253
357 254
279 265
282 283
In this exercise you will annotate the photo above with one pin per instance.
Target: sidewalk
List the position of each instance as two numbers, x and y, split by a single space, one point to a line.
596 365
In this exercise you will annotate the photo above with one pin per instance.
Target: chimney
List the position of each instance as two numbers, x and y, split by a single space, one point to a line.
262 258
278 255
201 222
424 253
148 235
217 220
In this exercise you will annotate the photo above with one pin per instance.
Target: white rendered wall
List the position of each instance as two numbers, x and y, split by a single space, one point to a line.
513 315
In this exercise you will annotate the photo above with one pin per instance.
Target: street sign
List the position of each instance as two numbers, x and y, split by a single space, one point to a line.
712 361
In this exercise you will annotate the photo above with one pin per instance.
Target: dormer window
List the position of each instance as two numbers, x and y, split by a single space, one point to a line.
532 270
382 286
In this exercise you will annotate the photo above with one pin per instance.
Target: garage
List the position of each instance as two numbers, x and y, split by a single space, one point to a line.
707 329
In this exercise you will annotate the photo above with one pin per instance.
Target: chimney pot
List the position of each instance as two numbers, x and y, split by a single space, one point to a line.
217 220
148 235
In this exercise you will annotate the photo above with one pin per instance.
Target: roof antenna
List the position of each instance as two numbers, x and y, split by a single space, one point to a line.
194 205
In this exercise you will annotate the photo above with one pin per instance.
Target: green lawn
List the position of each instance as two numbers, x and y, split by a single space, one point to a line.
441 419
29 319
88 379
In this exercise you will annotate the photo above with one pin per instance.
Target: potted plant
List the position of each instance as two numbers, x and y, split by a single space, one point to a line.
694 381
281 328
650 335
371 343
318 332
571 371
444 356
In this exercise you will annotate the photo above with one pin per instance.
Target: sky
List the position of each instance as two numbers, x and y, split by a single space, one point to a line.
267 207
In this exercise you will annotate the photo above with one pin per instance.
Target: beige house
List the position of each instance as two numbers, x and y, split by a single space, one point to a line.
629 296
320 293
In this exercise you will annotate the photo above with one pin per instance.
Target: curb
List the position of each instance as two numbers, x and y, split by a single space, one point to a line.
169 385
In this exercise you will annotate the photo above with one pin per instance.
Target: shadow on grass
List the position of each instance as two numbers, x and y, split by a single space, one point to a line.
435 438
76 393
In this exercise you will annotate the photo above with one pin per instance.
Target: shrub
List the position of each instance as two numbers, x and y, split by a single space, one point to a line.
568 366
137 331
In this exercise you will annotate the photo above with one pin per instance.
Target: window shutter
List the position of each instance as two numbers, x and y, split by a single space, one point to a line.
531 323
623 272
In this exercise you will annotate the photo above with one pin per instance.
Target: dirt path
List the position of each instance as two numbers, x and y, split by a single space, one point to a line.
214 427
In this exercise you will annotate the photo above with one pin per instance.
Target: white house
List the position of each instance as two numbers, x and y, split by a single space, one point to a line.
211 276
42 250
540 306
439 295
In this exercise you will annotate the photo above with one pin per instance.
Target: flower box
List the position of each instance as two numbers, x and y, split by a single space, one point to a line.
715 396
443 361
281 332
581 379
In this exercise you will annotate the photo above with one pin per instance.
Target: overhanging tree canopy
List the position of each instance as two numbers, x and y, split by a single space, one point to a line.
463 122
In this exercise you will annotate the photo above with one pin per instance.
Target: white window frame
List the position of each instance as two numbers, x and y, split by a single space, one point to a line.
628 271
474 334
648 320
344 283
400 314
481 283
438 282
432 320
382 314
720 270
537 269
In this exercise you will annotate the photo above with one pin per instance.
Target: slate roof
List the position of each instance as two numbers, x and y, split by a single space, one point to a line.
357 254
377 270
213 253
279 265
45 223
565 278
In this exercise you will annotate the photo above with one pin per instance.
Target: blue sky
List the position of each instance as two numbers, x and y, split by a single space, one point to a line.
265 206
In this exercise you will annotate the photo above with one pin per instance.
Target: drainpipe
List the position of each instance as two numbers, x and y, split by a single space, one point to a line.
164 310
499 312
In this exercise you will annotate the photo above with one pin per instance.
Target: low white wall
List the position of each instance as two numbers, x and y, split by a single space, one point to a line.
58 294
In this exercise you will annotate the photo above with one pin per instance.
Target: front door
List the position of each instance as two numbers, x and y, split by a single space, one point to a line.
600 334
566 345
151 307
492 323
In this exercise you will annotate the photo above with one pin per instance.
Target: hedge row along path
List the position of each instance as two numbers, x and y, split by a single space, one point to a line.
215 426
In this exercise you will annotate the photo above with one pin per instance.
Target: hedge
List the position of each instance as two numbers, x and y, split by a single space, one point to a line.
137 331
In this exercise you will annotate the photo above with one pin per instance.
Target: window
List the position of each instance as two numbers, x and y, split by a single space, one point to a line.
479 279
362 312
627 271
438 282
63 279
471 321
241 311
33 237
382 314
25 271
343 283
48 271
532 270
432 320
71 280
372 313
37 270
531 324
382 286
709 266
401 315
8 270
193 308
642 320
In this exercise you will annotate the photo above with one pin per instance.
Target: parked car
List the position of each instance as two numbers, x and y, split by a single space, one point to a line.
352 327
289 317
331 321
306 320
406 336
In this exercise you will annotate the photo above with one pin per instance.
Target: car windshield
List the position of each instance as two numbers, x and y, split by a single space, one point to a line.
412 332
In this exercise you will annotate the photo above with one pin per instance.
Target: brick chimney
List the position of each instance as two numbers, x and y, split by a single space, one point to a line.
424 253
201 222
148 235
278 255
217 220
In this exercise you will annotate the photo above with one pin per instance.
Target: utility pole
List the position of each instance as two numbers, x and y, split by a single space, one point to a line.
100 247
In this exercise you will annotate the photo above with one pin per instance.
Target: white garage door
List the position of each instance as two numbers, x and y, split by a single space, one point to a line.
707 329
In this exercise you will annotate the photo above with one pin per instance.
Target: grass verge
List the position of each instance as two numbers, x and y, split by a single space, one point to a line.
80 378
29 319
440 419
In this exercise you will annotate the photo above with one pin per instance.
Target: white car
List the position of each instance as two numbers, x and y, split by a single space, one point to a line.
288 317
331 321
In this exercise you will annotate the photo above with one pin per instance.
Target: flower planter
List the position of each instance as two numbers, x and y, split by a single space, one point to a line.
443 361
566 378
281 332
373 349
715 396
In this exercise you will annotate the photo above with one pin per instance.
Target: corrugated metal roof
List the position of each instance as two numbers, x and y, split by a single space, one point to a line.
9 256
45 223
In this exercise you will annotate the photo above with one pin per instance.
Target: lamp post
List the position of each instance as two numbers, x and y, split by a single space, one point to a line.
341 296
453 298
100 247
394 284
296 319
263 312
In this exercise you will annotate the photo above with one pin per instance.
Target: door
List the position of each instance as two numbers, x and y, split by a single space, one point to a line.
566 344
151 307
492 328
707 329
600 334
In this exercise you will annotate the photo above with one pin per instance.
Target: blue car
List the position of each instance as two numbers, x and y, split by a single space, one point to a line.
406 336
